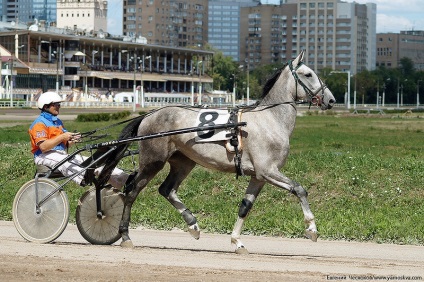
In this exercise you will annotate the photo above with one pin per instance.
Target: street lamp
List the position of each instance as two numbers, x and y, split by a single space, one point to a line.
199 70
142 85
247 89
135 82
11 82
57 56
354 97
401 95
348 86
11 75
192 86
418 93
234 90
397 97
384 95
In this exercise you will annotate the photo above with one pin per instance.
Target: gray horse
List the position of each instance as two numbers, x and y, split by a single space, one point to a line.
264 150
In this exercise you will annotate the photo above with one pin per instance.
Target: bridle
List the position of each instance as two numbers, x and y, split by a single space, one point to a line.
314 97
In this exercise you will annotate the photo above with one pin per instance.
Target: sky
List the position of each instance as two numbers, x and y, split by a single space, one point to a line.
392 15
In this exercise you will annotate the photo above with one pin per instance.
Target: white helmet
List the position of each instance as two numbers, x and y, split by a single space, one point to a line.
47 98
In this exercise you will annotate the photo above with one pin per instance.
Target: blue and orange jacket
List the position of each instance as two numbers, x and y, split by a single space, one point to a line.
45 126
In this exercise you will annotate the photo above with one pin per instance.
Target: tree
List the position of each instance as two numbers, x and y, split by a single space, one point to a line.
406 67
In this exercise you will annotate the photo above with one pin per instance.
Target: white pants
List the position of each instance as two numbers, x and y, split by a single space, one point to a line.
51 158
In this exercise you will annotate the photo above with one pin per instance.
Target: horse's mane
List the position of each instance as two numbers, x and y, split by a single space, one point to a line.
271 81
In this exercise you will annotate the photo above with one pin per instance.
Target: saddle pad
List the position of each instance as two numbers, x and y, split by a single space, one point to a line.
211 117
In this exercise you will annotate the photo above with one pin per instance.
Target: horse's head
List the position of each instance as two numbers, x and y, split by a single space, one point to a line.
309 87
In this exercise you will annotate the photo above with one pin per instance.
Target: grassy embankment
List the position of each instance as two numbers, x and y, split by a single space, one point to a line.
364 175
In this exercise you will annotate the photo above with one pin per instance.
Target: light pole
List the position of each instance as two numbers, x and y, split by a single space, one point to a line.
192 86
418 93
401 94
142 84
11 83
135 81
401 97
397 97
384 95
56 55
378 93
247 89
348 86
234 90
354 96
199 70
11 74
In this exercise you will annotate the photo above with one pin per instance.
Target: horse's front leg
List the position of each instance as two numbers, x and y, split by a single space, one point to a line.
279 180
252 193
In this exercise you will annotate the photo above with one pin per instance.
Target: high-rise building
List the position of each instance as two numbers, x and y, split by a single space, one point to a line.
25 11
225 23
391 47
169 23
335 34
269 34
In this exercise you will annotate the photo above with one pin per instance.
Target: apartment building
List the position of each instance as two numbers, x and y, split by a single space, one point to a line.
335 34
269 34
391 47
169 23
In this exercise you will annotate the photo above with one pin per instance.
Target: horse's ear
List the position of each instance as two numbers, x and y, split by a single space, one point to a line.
299 58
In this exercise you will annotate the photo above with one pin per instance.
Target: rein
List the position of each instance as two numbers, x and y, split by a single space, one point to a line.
89 134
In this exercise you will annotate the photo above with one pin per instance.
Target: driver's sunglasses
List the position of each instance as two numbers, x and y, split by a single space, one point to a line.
55 104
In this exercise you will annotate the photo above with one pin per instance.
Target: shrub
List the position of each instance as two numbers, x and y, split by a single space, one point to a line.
102 116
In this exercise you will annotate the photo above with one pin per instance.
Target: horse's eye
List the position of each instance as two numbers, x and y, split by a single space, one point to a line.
308 74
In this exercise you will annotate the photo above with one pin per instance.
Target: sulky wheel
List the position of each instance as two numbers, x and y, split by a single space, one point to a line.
43 224
102 230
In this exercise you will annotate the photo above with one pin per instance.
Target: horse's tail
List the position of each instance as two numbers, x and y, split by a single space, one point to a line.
113 159
131 129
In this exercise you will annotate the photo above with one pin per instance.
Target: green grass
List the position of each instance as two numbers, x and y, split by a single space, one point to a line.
364 176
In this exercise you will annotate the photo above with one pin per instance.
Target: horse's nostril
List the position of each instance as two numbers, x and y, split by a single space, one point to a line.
332 101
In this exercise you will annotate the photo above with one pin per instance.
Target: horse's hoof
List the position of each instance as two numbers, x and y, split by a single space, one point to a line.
194 231
127 244
313 235
242 251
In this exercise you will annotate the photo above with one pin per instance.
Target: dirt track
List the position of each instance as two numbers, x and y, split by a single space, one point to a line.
175 256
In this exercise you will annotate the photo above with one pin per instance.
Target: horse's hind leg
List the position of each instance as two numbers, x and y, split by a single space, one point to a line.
252 193
181 166
141 180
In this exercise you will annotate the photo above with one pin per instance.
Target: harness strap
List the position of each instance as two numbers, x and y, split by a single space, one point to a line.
313 96
235 131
